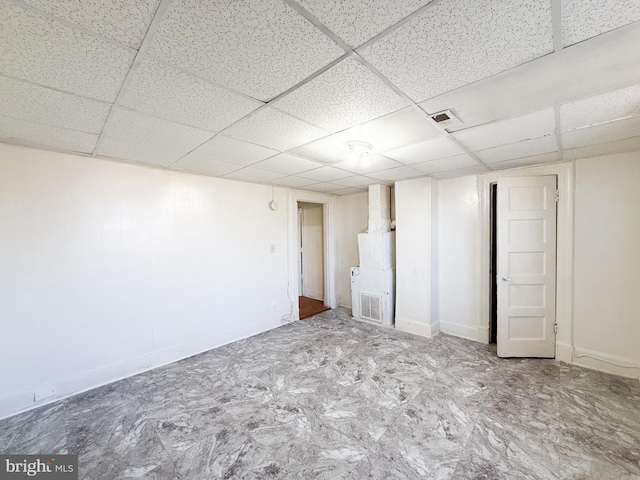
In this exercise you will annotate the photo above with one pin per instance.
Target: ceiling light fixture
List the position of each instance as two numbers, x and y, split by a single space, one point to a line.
359 152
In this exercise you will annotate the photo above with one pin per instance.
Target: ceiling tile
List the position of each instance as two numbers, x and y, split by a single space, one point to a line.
398 173
274 129
526 148
582 19
356 181
602 108
606 132
461 172
434 149
43 105
287 164
293 181
125 21
450 163
138 128
347 94
121 149
528 161
258 47
330 149
400 128
13 130
456 43
165 92
235 151
208 166
322 187
374 163
618 146
356 21
512 130
325 174
347 191
604 63
251 174
46 52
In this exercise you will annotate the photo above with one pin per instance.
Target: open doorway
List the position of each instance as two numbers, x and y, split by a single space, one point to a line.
311 259
493 300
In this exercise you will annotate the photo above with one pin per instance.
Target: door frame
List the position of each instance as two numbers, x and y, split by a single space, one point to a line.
303 251
564 254
329 244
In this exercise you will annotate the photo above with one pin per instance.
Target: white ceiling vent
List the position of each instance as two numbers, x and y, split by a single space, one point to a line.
445 119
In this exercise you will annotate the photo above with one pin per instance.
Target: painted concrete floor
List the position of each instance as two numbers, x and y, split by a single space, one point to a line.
333 398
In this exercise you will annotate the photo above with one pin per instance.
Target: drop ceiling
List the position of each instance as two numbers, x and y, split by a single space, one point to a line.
270 91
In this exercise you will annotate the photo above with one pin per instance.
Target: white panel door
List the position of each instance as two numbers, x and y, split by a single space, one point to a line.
526 266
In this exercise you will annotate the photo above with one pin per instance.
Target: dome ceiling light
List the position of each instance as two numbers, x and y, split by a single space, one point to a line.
359 152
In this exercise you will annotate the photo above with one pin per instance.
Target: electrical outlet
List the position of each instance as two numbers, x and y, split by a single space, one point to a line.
44 393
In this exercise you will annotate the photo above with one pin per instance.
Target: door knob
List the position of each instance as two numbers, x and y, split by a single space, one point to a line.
506 278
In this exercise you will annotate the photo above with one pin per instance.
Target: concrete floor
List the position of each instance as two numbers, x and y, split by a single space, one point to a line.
335 398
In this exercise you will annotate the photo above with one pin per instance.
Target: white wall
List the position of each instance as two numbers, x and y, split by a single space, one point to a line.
416 213
108 269
353 217
599 303
434 253
312 247
607 263
459 256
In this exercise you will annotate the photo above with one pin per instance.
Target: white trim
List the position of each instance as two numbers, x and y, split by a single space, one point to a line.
330 243
564 257
22 401
564 352
605 362
482 333
416 328
463 331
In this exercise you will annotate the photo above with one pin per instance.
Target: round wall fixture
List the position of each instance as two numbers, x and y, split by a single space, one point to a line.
273 206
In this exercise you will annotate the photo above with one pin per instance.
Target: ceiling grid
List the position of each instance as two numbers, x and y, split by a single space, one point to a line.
556 15
271 91
144 47
368 65
71 25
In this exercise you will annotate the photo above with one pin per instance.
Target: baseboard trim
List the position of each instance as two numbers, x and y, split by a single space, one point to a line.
614 364
415 328
464 331
22 401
